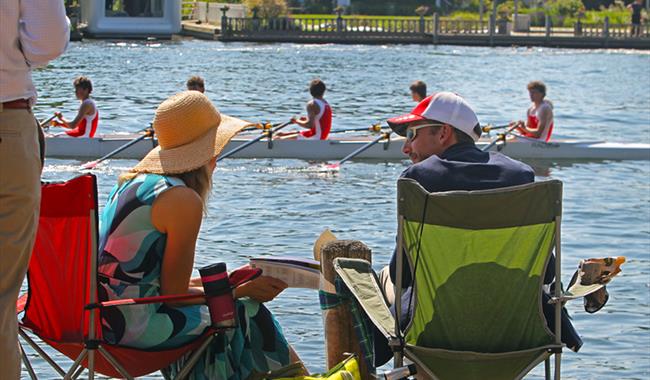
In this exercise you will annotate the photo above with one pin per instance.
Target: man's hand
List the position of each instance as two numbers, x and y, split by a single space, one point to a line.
58 115
261 289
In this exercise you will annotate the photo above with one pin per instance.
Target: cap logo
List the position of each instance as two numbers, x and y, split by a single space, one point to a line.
405 118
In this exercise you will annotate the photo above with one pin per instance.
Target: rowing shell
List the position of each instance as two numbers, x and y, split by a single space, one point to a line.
336 148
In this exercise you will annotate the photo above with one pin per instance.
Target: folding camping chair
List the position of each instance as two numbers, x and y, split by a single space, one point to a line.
61 305
479 259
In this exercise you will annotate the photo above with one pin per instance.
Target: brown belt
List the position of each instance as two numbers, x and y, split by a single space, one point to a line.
18 104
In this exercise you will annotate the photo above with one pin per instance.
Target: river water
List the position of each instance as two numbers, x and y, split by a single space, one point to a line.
279 207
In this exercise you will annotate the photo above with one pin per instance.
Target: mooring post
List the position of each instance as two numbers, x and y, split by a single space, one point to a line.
547 24
436 27
339 20
224 22
606 32
422 29
340 336
492 26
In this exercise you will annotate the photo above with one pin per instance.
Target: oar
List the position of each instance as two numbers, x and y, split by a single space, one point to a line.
500 137
350 156
372 128
491 127
148 132
255 127
44 124
267 133
532 139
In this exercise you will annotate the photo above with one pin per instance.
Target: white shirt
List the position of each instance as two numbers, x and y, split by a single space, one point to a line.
32 32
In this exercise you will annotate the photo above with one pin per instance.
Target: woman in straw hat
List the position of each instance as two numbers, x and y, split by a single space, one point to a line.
148 233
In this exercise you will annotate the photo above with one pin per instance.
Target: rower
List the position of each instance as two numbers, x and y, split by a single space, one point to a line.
85 123
196 83
539 123
319 114
418 91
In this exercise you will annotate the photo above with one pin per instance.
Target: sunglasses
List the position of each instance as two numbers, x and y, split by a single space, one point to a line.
411 133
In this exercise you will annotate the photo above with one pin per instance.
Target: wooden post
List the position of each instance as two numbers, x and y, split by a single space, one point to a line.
224 22
547 23
436 27
606 32
481 8
422 30
493 22
339 331
339 21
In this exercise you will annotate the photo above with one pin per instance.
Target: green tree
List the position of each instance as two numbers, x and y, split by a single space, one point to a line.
267 8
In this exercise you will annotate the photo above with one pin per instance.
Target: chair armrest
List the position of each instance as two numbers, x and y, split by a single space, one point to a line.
235 278
362 282
21 303
144 300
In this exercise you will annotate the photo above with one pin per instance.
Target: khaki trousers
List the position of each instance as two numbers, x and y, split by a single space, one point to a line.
387 285
20 194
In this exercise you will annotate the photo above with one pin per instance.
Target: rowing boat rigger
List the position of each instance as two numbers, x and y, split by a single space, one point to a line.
338 147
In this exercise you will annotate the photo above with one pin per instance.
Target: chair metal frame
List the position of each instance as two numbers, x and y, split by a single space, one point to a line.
92 346
556 300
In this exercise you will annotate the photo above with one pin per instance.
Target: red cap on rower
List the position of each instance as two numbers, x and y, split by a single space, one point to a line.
444 107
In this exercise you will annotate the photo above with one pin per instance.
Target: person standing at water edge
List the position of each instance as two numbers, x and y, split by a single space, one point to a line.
441 132
87 119
636 7
32 32
539 122
418 91
195 83
319 114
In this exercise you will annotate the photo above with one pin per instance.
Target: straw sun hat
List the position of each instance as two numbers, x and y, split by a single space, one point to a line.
190 132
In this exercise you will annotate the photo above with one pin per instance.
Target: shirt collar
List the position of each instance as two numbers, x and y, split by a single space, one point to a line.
456 149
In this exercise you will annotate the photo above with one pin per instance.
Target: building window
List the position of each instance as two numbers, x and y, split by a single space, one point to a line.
134 8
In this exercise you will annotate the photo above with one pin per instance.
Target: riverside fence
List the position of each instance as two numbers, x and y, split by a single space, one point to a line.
424 30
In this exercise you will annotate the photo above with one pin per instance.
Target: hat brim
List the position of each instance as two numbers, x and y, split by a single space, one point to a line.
399 124
193 155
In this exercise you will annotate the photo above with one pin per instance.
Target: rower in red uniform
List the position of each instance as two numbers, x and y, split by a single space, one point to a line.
539 123
319 114
85 123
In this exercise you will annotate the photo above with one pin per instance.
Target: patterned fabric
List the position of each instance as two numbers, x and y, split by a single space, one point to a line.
130 259
361 323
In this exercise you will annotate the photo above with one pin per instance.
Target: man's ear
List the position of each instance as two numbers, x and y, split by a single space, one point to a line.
446 132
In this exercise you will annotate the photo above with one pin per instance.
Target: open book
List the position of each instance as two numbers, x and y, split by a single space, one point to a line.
297 273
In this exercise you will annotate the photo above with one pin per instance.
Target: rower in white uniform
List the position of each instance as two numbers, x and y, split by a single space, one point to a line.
539 122
87 119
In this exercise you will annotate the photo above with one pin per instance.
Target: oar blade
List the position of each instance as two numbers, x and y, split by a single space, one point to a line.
329 168
89 165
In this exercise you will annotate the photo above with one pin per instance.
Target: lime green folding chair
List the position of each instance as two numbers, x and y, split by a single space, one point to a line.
478 259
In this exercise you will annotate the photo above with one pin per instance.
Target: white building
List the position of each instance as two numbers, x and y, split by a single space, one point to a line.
131 18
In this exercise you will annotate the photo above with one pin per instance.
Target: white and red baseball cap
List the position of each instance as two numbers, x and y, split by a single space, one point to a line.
445 107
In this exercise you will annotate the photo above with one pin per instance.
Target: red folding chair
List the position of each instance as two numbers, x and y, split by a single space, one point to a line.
61 305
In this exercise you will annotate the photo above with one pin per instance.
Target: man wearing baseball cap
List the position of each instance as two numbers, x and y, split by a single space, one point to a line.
440 135
441 132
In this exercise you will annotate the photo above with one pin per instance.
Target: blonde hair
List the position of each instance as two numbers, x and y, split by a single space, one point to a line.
199 180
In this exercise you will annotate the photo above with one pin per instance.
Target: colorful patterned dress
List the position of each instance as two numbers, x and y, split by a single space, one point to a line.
130 258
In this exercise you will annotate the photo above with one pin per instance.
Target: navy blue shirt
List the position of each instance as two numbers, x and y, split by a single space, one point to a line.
464 167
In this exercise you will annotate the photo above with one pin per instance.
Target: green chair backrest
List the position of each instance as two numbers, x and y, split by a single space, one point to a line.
479 260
